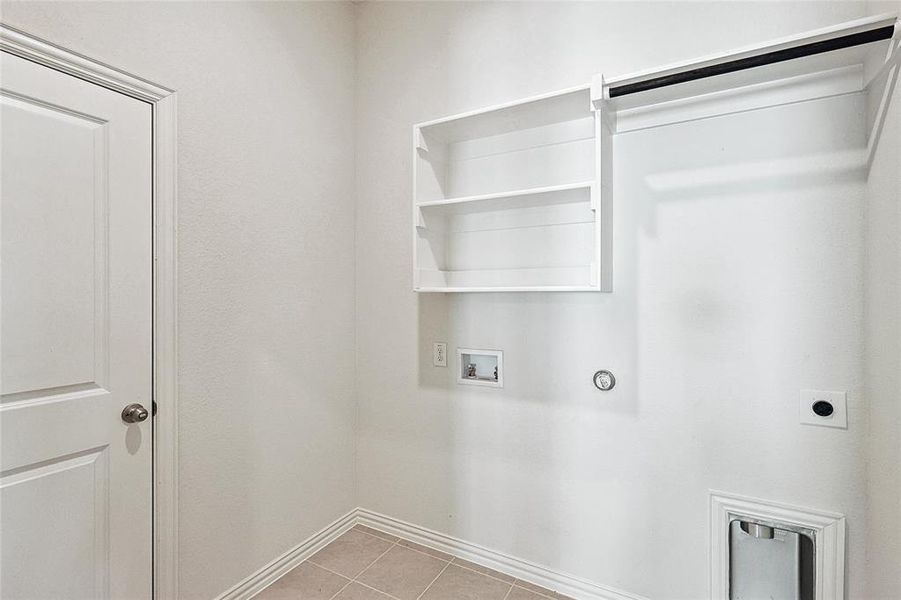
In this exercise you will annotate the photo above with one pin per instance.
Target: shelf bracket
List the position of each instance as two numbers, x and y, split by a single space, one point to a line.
889 72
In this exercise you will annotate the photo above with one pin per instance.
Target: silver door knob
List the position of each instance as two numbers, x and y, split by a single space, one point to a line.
134 413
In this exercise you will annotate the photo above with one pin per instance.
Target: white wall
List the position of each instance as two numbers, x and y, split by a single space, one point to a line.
727 301
883 358
883 351
265 261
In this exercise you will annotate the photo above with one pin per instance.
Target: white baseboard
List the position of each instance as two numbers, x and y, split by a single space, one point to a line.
567 585
563 583
267 575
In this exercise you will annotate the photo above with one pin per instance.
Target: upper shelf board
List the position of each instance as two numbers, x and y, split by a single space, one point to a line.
862 45
557 107
556 194
850 28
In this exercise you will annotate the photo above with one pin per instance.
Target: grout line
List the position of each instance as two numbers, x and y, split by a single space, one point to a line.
354 578
327 569
357 581
551 595
433 581
375 589
400 539
452 561
342 587
456 564
311 561
376 536
447 560
375 561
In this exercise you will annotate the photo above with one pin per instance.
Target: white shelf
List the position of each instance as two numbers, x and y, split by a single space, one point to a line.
823 34
528 113
847 70
507 198
516 197
570 279
554 194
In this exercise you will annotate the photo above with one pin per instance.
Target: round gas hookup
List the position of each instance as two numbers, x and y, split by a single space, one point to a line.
604 380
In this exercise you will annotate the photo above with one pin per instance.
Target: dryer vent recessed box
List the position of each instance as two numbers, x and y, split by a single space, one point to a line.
480 367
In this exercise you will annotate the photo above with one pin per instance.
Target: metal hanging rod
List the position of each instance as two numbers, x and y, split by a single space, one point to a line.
730 66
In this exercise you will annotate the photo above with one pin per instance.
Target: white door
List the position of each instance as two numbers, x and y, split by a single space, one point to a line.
75 337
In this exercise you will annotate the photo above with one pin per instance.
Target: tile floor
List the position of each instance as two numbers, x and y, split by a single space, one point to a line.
365 564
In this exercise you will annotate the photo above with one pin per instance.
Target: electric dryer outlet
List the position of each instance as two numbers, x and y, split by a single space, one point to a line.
824 408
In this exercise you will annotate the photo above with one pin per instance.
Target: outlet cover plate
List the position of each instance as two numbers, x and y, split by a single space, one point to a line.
838 400
439 354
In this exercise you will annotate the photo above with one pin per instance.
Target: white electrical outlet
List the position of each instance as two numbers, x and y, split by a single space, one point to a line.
439 354
824 408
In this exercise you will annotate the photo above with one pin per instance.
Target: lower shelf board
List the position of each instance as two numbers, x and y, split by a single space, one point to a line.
578 278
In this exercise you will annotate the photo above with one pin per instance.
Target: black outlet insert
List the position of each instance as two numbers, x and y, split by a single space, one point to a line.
823 408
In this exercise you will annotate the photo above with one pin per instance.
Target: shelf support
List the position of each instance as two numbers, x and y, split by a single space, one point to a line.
602 190
889 71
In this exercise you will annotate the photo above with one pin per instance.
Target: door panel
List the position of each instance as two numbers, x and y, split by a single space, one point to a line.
75 321
58 344
71 539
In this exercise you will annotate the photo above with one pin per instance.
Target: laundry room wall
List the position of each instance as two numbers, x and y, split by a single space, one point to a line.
733 290
265 263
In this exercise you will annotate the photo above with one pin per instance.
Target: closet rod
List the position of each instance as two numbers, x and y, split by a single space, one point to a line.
740 64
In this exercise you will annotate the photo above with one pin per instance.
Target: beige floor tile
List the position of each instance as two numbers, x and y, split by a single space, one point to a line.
540 590
402 573
355 591
426 549
518 593
484 570
457 583
304 582
376 533
351 553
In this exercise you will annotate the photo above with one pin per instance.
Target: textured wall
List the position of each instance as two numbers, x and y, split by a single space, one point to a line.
883 358
265 259
729 298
